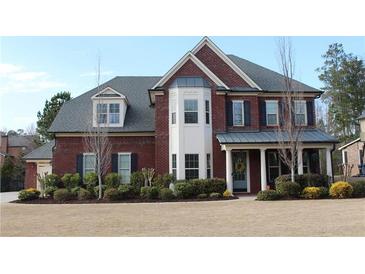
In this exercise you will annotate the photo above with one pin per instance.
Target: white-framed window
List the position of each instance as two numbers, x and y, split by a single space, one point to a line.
108 113
89 163
207 112
191 166
173 113
306 167
272 112
209 166
238 113
300 107
173 159
124 167
274 166
191 111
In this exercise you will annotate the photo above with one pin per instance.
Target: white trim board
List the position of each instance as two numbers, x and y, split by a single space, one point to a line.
349 144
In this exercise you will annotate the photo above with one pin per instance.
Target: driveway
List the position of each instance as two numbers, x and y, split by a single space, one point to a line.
242 217
6 197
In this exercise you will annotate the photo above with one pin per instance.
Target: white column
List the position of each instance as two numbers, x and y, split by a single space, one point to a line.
263 169
229 178
329 162
300 161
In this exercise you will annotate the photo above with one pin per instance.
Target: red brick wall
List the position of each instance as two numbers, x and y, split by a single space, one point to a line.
220 68
218 125
353 156
255 118
255 170
67 149
30 175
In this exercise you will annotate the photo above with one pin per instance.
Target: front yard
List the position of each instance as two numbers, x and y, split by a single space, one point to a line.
243 217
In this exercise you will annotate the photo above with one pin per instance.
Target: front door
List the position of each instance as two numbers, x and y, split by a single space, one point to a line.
239 161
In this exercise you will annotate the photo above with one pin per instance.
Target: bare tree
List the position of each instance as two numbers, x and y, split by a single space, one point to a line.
289 132
96 139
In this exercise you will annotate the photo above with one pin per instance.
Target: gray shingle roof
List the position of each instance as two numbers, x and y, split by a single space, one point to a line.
267 79
76 115
20 140
271 136
42 152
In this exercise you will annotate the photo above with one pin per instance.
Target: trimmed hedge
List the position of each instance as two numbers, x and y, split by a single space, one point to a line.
111 194
126 192
288 189
63 195
192 188
268 195
185 190
84 194
341 190
137 180
163 181
28 194
149 192
358 189
166 194
305 180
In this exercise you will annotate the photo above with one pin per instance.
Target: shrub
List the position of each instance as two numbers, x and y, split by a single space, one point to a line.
216 185
145 192
95 190
358 189
341 190
49 191
112 180
137 180
71 181
311 192
268 195
111 194
200 186
163 181
63 195
215 195
28 194
166 194
52 180
154 192
126 192
91 179
184 190
75 190
310 179
84 194
202 196
75 180
227 193
66 179
288 189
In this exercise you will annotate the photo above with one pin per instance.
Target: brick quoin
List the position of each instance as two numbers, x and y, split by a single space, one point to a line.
67 149
30 175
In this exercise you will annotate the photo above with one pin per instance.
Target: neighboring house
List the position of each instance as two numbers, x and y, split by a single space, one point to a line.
353 153
210 115
15 145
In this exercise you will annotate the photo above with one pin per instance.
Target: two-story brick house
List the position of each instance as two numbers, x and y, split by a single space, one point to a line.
210 115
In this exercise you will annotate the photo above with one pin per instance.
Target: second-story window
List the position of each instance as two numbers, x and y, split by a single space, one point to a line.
191 111
272 113
108 113
238 113
173 113
207 112
102 113
300 108
114 113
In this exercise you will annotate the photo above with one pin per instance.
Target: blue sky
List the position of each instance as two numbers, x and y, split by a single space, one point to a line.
32 69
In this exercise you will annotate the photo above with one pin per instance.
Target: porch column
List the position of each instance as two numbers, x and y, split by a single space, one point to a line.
329 162
300 161
263 169
229 179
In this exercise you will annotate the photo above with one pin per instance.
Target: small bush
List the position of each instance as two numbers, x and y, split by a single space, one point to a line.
75 190
154 192
288 189
49 191
28 194
111 194
75 180
145 192
215 195
310 179
311 192
268 195
166 194
163 181
84 194
91 179
63 195
52 180
227 193
95 190
66 178
217 185
71 181
137 180
202 196
341 190
184 190
358 189
112 180
126 192
149 192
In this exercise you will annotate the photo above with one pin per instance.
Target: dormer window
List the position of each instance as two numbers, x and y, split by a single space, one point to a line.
102 113
114 113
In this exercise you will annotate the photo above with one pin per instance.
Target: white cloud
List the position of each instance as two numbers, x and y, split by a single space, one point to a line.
16 79
93 74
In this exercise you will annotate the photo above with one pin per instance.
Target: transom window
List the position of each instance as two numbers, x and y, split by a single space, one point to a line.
238 113
89 163
191 111
174 165
207 112
191 166
272 113
108 113
300 108
124 167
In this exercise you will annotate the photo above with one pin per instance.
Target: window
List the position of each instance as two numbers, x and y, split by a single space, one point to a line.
89 163
272 113
173 112
300 112
209 173
174 165
306 167
191 166
273 165
173 118
191 111
238 113
102 113
124 167
207 114
114 113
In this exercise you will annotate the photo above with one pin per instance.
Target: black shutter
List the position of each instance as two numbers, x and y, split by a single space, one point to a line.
115 163
262 113
247 108
134 162
79 164
310 113
229 113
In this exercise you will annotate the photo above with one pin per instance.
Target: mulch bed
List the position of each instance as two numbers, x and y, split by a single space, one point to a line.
103 201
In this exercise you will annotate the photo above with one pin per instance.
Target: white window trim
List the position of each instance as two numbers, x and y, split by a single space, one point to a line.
83 161
198 168
197 112
130 163
242 111
108 123
305 111
277 112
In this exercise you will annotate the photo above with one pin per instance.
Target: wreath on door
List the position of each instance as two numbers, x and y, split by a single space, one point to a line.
240 166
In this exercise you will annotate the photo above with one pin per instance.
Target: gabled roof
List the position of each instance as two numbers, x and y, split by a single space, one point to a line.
76 115
20 140
41 153
349 144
